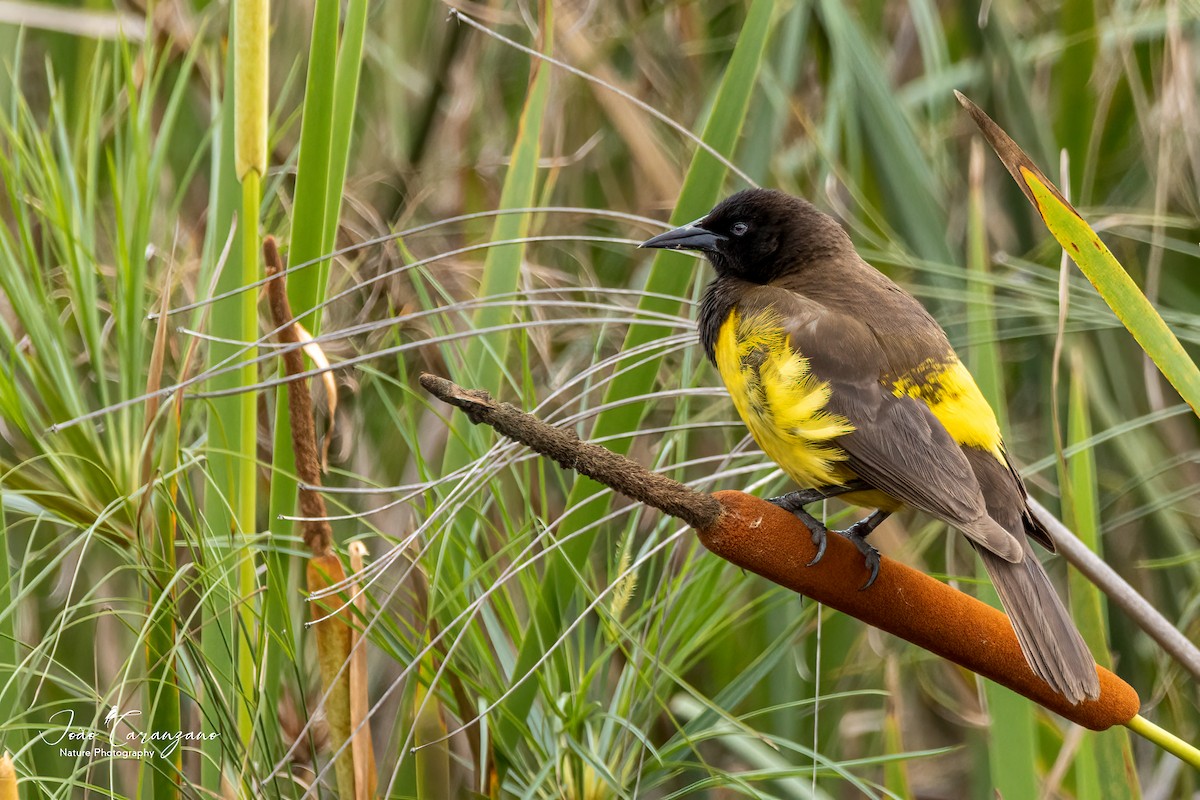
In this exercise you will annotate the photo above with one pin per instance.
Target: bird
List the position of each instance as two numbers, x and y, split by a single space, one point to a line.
849 384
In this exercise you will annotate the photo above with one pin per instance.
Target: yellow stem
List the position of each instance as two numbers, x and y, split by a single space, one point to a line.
250 90
1166 740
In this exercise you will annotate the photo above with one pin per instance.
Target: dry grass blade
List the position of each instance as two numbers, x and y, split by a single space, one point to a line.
1010 153
335 643
361 747
316 355
8 778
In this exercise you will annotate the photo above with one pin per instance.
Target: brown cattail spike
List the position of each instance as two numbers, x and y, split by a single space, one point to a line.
765 539
318 535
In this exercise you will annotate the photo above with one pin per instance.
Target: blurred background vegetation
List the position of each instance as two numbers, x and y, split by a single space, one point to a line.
145 563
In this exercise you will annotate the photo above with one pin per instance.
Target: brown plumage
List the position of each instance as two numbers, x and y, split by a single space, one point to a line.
846 381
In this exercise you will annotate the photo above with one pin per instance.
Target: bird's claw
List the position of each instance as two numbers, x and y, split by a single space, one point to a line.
855 533
858 539
795 502
818 538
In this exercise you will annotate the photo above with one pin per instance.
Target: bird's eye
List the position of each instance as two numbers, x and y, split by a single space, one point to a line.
739 228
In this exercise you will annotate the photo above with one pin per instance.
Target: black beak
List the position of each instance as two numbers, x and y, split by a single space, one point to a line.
687 237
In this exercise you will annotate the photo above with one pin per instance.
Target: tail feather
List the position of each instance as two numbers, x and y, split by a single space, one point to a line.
1053 647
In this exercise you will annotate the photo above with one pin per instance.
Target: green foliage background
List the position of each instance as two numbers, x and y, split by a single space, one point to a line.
614 656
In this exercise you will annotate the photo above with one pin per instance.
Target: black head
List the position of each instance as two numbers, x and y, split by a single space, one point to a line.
758 235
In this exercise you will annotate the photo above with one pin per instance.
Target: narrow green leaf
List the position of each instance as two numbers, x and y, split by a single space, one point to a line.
224 422
1095 260
1104 767
312 162
671 273
1113 283
1012 735
485 356
345 104
1074 71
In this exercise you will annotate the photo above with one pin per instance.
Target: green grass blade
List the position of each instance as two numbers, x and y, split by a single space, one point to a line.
1104 766
345 105
1097 263
312 163
224 416
671 273
483 360
1012 735
1076 101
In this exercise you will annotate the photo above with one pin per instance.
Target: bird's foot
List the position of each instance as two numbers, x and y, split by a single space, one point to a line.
857 533
795 502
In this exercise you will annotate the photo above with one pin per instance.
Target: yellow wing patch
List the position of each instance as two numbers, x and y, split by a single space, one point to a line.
951 394
779 399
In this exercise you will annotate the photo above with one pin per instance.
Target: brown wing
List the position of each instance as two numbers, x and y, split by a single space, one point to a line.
897 446
908 337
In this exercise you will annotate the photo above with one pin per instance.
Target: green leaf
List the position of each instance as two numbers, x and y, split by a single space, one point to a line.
1104 767
1096 262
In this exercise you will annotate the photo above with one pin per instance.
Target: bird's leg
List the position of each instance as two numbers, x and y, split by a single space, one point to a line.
802 497
796 501
858 533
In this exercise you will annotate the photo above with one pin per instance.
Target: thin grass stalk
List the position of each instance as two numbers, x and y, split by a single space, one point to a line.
10 683
157 513
1012 735
162 672
362 750
1104 767
246 496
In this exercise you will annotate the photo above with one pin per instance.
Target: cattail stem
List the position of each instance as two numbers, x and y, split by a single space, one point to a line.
1165 739
318 534
250 162
628 477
